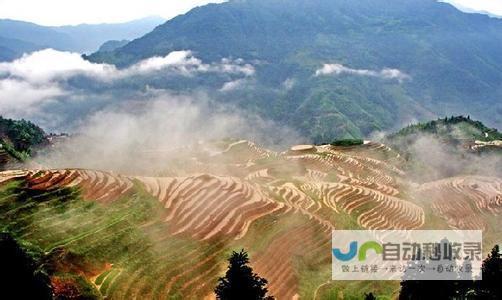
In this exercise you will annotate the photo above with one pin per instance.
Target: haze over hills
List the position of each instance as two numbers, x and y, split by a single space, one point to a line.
23 37
90 36
342 68
446 147
14 48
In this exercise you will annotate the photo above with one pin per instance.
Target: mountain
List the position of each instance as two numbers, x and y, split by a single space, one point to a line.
112 45
41 36
19 37
11 49
352 67
89 38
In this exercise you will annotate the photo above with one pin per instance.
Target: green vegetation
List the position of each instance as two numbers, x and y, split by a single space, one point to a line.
431 148
356 290
347 142
123 248
454 129
10 150
19 137
448 70
76 237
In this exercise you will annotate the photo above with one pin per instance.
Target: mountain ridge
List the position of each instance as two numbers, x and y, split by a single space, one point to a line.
437 47
77 38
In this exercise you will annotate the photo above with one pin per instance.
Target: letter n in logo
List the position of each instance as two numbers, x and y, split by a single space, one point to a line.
367 246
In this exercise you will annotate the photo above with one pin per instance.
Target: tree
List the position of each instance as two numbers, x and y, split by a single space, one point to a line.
490 287
369 296
240 283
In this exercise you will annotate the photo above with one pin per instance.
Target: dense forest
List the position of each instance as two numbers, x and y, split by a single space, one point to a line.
19 137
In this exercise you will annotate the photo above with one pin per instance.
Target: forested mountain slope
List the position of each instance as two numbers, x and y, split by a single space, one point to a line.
342 68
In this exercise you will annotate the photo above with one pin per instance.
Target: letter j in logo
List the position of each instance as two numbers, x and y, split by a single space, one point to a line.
371 245
346 256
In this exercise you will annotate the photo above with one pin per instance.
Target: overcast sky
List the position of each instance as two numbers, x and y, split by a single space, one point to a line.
72 12
63 12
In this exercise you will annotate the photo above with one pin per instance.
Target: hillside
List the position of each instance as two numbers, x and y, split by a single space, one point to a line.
18 140
112 45
160 236
41 36
453 130
379 63
14 48
448 146
18 37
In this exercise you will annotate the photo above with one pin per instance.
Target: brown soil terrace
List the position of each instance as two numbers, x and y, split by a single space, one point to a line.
206 206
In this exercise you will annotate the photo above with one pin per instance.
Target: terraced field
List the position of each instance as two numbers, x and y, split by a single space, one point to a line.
146 236
465 202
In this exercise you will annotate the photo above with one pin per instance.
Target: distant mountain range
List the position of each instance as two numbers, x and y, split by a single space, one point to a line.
18 37
351 67
13 48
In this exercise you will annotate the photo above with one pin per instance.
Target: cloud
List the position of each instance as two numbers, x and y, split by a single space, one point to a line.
234 67
49 65
47 77
184 63
289 83
21 98
145 137
180 62
117 117
233 85
338 69
436 159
